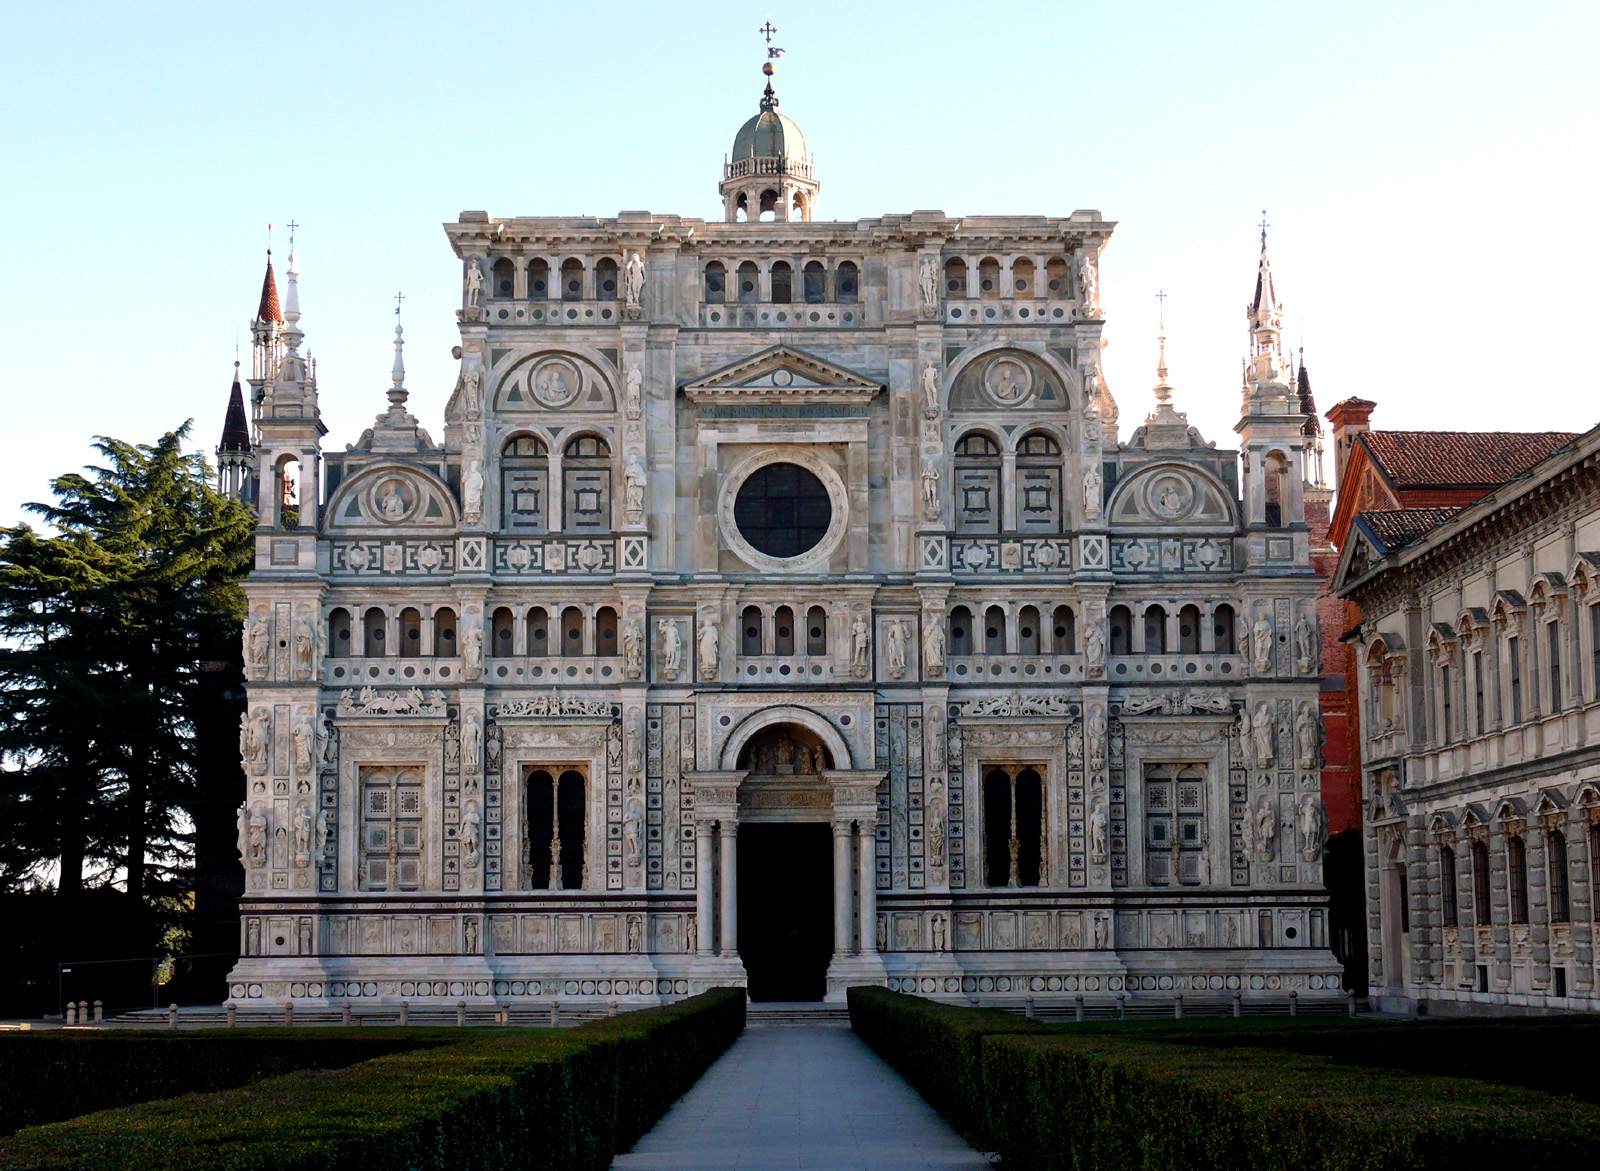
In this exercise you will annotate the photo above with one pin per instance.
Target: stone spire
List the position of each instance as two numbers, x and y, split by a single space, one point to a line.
1165 428
1312 427
769 174
396 429
1265 315
234 450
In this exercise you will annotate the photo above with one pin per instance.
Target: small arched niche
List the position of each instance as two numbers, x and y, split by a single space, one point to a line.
785 750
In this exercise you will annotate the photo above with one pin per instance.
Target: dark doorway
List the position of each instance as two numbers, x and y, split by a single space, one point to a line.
785 910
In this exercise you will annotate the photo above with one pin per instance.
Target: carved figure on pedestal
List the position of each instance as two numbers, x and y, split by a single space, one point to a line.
940 939
1095 738
633 392
473 276
1262 729
930 391
327 743
471 833
1091 494
472 492
471 741
1091 392
1304 647
303 828
860 646
1306 735
1246 735
303 739
936 822
633 834
255 736
1102 930
256 641
1094 643
930 493
633 278
895 649
1261 644
472 648
1313 827
1097 833
324 833
932 644
305 643
928 286
670 651
635 935
1088 285
1266 833
633 486
707 647
256 837
633 648
469 934
471 389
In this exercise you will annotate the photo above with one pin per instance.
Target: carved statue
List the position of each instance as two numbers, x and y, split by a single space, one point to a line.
860 645
303 739
1304 647
707 646
1261 644
1091 494
1263 729
474 282
1306 735
1095 736
895 649
1088 285
392 501
324 833
1312 824
1094 643
633 278
256 853
471 388
633 392
1246 734
255 736
633 834
928 285
470 832
472 492
936 822
932 645
252 938
930 391
1097 832
469 934
1102 930
472 649
633 484
635 935
1091 391
257 638
471 740
1266 830
670 651
303 829
939 939
305 642
327 743
930 492
633 648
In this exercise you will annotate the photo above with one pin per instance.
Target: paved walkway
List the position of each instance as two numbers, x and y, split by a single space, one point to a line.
801 1096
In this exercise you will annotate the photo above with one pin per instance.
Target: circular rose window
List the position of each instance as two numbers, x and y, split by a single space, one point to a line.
782 510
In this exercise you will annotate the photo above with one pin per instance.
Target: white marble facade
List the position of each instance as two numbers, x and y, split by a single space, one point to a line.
791 521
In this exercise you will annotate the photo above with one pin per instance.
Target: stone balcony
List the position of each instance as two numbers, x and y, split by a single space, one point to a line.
782 315
1175 668
571 670
510 311
788 669
1012 668
391 671
988 312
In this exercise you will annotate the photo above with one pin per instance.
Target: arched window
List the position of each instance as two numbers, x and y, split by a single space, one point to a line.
1028 630
605 279
538 621
605 632
1222 629
339 633
1482 908
1189 630
750 631
1039 484
1022 278
1556 856
1155 630
586 479
571 632
1064 631
444 633
997 869
525 481
1276 470
1013 826
799 213
374 629
769 205
960 636
814 281
505 278
538 279
1594 869
1517 878
977 488
955 277
716 283
816 631
287 486
989 278
572 279
554 849
501 633
782 278
1447 886
783 631
846 282
1121 638
994 631
1056 282
410 632
749 283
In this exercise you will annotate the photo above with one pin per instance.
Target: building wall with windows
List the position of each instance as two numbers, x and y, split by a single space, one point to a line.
1479 682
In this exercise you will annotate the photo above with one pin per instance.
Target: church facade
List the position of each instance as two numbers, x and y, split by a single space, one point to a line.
779 605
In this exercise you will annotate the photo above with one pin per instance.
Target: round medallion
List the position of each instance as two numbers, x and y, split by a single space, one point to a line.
555 383
782 377
1170 496
393 500
1007 381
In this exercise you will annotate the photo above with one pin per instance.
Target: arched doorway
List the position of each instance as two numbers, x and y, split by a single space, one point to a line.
785 864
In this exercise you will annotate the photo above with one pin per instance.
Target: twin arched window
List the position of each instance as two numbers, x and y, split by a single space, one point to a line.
526 502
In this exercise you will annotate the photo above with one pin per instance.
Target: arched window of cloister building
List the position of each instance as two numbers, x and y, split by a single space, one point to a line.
1028 630
750 631
783 631
605 279
1120 633
1223 629
410 632
1013 825
955 277
1555 850
816 631
538 625
1447 886
749 283
586 475
814 282
538 279
502 633
1482 908
444 633
977 484
572 279
846 282
1517 877
374 630
1055 274
782 278
525 476
989 278
571 632
1276 471
1189 630
554 842
994 631
1022 278
1064 631
716 283
504 277
605 632
1039 484
339 633
960 635
1155 630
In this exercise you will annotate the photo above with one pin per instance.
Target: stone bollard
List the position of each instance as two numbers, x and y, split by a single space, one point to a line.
555 1013
233 1016
1077 1008
503 1015
1027 1008
344 1015
172 1016
405 1012
1122 1006
70 1014
99 1013
1238 1004
1350 1002
1177 1008
461 1014
1294 1003
288 1014
83 1013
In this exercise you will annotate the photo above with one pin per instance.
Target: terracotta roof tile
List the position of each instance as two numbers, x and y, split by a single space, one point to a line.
1459 459
269 310
1395 528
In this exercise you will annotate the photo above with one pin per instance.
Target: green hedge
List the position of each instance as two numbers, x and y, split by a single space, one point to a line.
46 1077
496 1097
1151 1100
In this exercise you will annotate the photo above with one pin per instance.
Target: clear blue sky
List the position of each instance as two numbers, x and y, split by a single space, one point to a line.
1428 170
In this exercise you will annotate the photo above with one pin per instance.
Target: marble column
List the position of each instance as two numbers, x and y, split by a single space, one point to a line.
841 888
868 927
703 891
730 889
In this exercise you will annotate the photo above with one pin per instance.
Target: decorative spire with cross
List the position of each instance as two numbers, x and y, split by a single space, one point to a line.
1264 227
769 99
1163 388
398 393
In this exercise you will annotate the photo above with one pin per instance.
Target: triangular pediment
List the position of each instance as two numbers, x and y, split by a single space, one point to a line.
1358 560
782 374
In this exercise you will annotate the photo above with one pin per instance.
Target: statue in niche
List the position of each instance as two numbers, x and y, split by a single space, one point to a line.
1071 931
932 644
670 653
1312 819
860 645
895 649
392 501
635 935
256 836
1304 647
928 285
474 282
305 642
469 934
633 393
633 648
252 938
707 647
633 834
1095 735
633 485
255 735
930 391
783 755
256 639
1102 930
471 740
1261 643
1263 727
302 738
633 735
1088 284
1097 833
936 822
939 932
327 743
930 492
324 833
472 648
1266 830
305 937
1091 493
303 828
472 492
1094 643
470 834
471 388
1246 734
1091 391
633 278
1306 735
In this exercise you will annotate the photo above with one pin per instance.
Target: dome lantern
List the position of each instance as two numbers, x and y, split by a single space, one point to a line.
768 174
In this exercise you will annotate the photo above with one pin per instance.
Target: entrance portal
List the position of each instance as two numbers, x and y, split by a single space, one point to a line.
785 909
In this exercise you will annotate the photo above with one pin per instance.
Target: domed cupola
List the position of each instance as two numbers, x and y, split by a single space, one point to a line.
769 175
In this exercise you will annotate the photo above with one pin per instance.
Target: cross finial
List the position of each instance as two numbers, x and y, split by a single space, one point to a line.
269 237
1161 298
291 225
767 30
398 298
1264 227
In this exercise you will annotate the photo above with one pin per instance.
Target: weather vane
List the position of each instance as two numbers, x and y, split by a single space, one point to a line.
398 297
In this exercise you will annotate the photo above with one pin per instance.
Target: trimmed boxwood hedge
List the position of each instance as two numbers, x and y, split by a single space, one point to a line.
45 1077
1149 1099
496 1097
